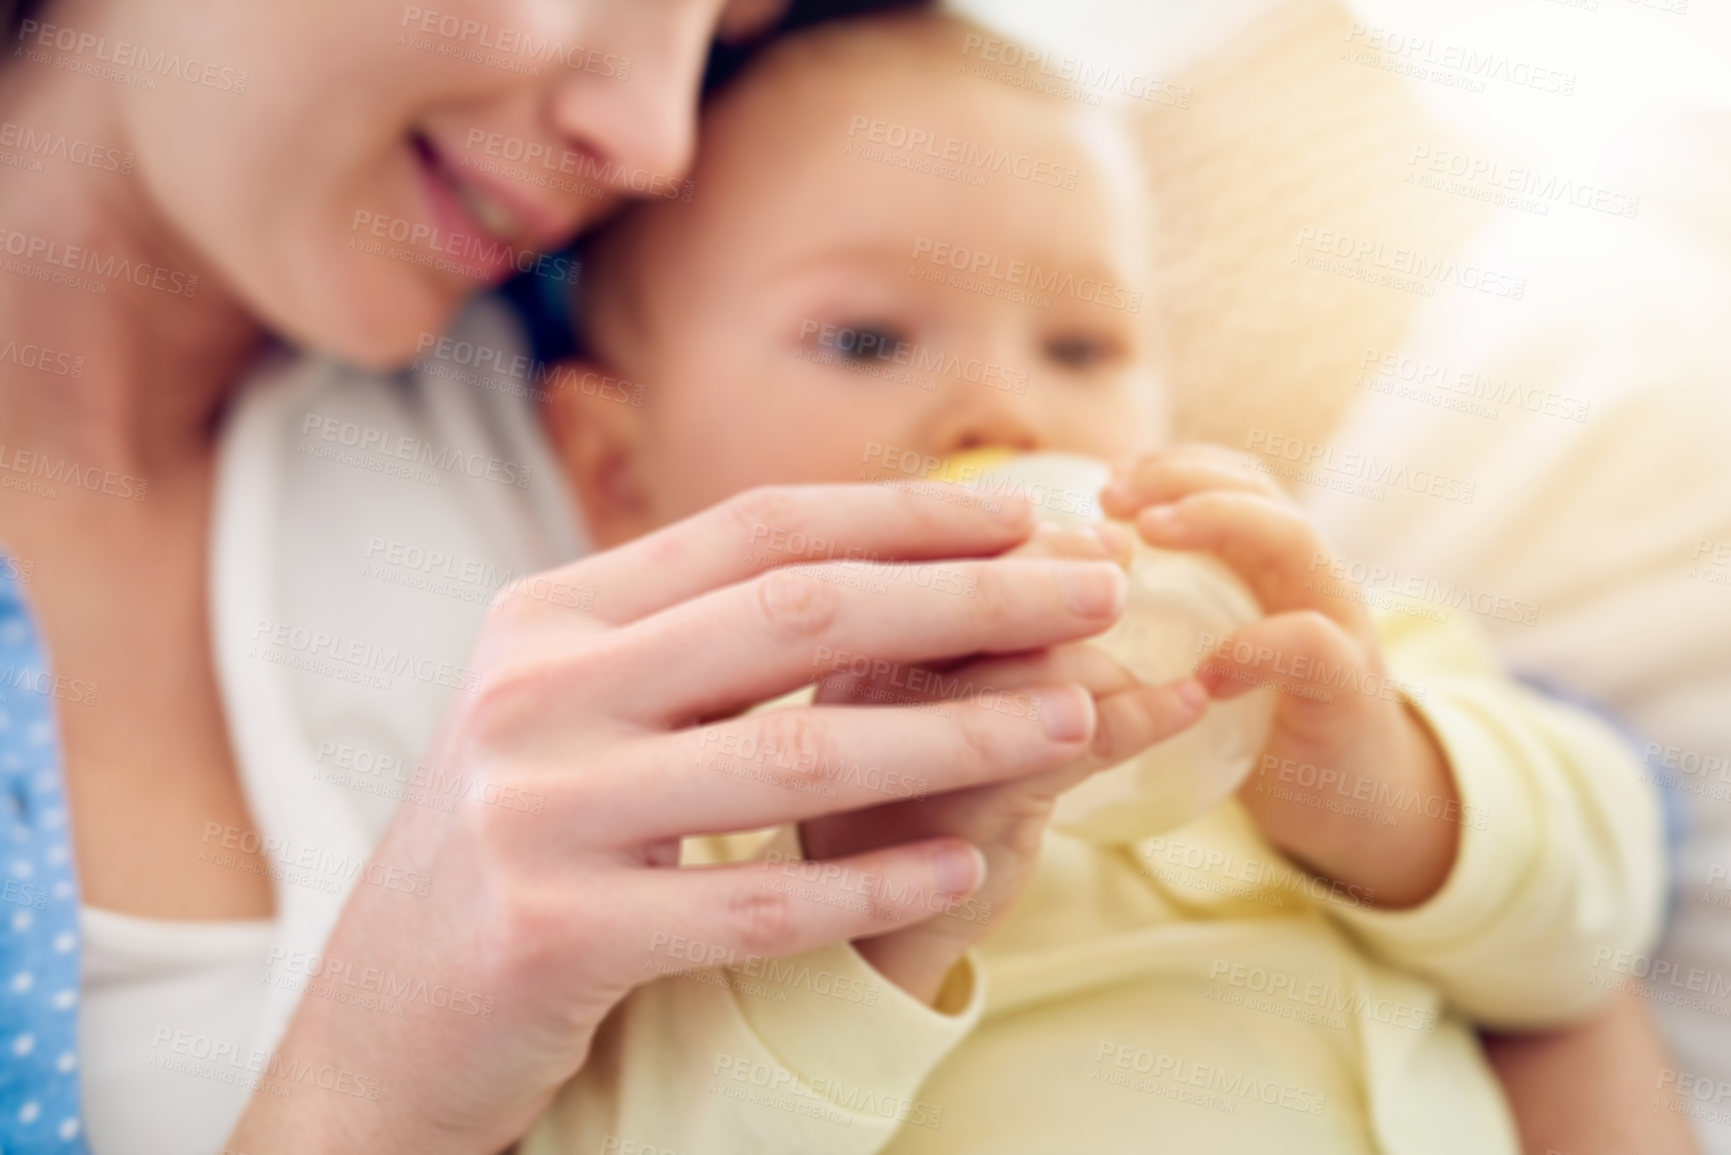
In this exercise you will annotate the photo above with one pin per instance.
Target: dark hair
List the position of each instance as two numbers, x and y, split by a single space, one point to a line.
549 310
727 59
13 14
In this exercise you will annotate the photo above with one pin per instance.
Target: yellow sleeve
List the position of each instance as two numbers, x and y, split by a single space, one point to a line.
801 1055
1561 857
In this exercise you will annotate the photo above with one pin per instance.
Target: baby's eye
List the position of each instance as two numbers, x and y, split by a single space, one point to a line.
1081 351
866 342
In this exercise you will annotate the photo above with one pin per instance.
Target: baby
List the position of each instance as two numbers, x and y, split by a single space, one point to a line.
888 258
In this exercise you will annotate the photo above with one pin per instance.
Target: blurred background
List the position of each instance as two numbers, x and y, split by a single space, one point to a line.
1461 274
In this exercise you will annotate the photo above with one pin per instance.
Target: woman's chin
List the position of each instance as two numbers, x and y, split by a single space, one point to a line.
384 323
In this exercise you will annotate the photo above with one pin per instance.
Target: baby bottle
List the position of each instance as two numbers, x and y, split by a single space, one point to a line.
1177 601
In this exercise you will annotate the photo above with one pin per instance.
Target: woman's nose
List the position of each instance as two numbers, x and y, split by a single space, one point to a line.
631 98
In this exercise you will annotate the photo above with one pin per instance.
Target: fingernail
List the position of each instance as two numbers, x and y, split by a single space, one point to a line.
1093 589
1192 693
960 869
1066 713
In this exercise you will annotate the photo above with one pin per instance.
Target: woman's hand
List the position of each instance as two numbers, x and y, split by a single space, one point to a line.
624 720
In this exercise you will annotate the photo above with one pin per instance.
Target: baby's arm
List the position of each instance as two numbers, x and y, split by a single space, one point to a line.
1512 850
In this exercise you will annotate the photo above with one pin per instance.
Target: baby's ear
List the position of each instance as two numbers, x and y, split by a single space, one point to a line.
595 422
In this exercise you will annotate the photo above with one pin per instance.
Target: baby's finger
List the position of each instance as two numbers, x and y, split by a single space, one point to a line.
1306 657
1269 544
1160 478
1133 720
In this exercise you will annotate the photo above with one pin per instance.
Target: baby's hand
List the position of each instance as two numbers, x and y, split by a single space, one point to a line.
1336 711
1004 821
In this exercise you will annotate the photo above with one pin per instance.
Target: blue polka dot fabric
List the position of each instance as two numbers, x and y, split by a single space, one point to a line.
39 1104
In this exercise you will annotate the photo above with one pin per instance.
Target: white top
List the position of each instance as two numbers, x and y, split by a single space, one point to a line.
178 1019
167 1030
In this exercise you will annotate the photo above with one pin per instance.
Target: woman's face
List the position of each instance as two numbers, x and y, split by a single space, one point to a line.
357 168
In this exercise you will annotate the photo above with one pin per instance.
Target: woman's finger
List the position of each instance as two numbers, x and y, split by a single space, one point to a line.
750 642
787 525
871 683
796 763
758 910
1270 544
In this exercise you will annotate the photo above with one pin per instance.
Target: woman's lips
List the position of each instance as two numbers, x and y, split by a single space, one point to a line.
503 209
482 228
461 238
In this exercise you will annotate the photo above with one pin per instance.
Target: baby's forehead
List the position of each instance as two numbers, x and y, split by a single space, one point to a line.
872 119
844 73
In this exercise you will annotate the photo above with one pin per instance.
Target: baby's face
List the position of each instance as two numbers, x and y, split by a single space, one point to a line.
821 311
